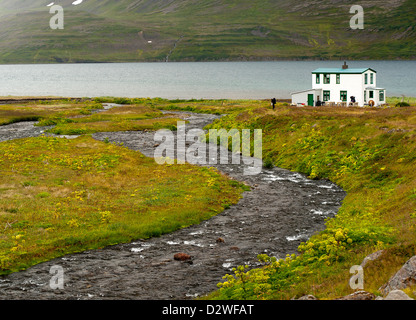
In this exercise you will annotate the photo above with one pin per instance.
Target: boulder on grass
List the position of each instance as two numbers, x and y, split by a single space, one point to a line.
403 278
397 295
359 295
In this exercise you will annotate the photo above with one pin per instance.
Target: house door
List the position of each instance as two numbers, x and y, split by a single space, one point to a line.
310 100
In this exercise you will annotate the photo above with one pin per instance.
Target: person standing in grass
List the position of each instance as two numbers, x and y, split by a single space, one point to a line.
318 102
273 102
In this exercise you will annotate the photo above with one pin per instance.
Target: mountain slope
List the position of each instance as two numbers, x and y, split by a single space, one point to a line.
195 30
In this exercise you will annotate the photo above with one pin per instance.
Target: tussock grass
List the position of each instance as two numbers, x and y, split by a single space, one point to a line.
38 110
82 127
78 117
220 106
125 118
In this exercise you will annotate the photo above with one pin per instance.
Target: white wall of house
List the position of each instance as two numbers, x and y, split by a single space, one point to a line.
371 90
351 83
378 95
301 97
369 82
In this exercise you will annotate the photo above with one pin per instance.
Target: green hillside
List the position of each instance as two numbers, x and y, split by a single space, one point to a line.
194 30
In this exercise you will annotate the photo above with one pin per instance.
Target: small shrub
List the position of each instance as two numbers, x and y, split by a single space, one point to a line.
122 101
51 121
43 194
402 104
28 184
268 163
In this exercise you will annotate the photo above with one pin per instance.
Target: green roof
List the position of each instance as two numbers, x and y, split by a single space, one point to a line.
340 70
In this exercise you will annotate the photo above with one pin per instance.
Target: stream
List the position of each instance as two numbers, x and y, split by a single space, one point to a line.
282 209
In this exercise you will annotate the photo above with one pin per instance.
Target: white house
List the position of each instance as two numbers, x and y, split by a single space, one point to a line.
343 86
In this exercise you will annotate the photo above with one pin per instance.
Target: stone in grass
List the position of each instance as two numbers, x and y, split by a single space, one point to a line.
397 295
371 257
403 278
182 256
308 297
359 295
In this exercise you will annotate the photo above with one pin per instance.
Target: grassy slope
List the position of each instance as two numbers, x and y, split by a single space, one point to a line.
370 153
211 30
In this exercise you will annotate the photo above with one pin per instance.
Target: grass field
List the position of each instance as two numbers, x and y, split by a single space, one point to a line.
79 117
38 110
125 118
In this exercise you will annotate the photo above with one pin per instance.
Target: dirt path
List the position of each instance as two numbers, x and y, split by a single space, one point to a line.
281 210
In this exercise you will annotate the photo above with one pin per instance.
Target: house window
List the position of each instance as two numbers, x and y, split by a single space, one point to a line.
327 78
381 95
366 78
318 78
327 95
338 78
371 94
372 78
343 96
365 96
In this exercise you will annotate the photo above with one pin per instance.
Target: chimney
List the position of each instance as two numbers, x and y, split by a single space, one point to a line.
345 66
